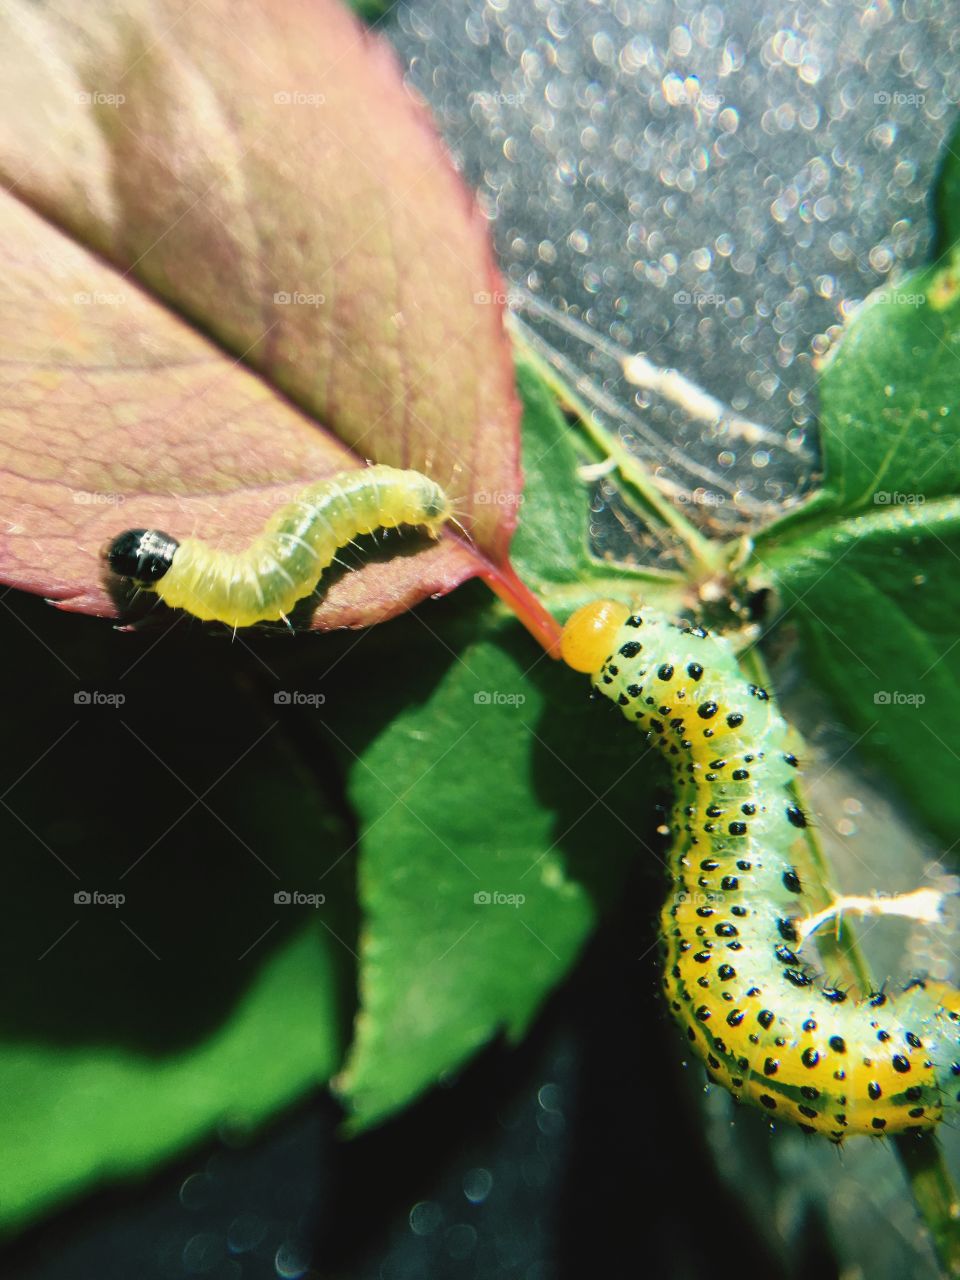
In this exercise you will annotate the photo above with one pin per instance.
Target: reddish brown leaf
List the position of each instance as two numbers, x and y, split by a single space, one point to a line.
117 413
215 157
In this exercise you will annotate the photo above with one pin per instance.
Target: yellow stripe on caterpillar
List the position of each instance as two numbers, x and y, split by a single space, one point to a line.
283 563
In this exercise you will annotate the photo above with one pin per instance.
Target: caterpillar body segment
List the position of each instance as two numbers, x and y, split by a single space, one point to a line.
768 1027
283 563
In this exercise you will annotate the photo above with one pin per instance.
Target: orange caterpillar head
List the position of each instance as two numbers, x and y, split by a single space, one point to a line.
587 638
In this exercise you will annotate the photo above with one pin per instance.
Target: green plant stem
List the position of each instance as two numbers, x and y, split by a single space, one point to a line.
707 553
934 1194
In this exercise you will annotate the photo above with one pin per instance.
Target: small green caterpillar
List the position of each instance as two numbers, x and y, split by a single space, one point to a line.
282 564
757 1015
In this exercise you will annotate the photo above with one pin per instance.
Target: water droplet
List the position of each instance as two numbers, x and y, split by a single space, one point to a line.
196 1191
604 50
880 257
548 1097
425 1218
202 1252
460 1240
292 1260
551 1123
477 1185
729 120
245 1232
681 43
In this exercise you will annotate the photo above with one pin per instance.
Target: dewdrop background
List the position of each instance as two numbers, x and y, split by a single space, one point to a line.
716 186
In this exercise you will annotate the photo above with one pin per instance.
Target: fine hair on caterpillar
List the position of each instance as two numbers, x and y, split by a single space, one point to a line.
768 1027
283 563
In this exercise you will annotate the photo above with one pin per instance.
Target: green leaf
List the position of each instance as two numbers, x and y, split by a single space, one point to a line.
78 1114
550 546
129 1031
468 926
946 198
877 614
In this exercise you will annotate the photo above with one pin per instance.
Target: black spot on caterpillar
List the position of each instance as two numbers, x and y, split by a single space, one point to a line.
282 564
770 1030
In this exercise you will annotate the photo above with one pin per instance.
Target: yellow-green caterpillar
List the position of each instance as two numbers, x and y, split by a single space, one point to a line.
283 563
768 1028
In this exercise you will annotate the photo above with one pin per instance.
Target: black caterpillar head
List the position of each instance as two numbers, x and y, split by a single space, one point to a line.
142 554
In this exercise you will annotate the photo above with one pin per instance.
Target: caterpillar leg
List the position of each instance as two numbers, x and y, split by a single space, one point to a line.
283 564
